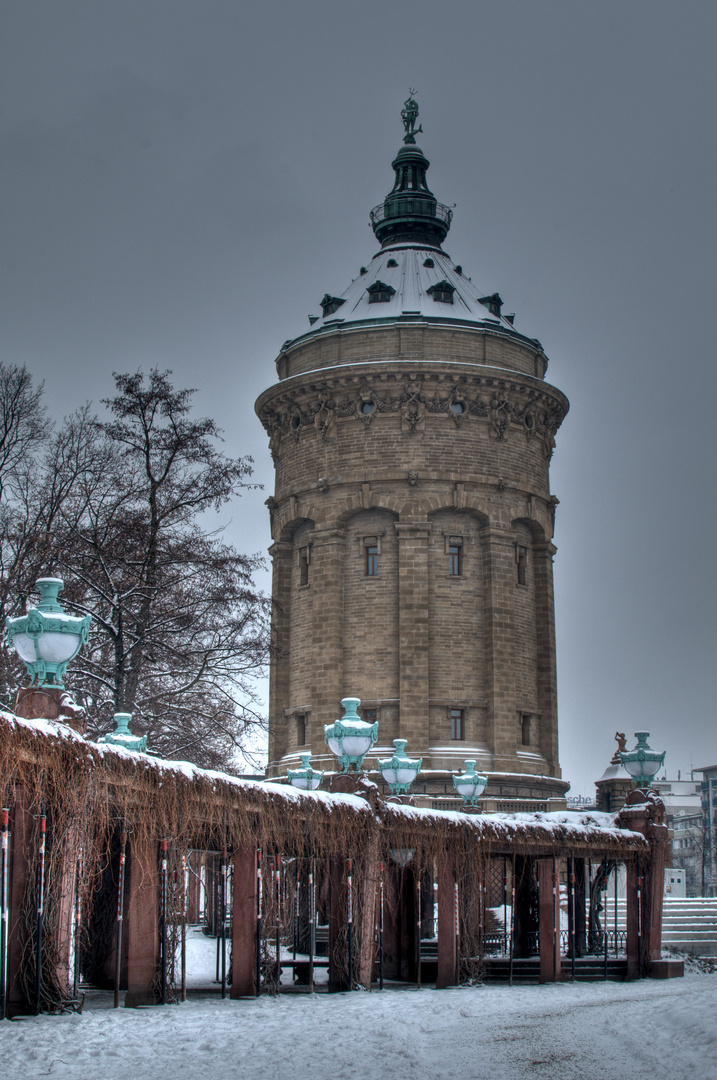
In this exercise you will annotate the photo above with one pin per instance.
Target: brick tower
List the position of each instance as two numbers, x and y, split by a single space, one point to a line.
411 430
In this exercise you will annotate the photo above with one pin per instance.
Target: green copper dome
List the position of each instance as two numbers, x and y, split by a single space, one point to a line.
410 213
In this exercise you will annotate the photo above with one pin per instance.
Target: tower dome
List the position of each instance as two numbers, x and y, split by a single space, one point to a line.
411 430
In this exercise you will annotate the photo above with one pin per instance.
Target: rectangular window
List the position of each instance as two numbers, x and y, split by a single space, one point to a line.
304 566
300 729
458 727
525 729
521 559
371 560
370 715
455 558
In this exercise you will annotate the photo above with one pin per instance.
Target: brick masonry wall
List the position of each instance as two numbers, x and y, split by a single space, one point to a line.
412 434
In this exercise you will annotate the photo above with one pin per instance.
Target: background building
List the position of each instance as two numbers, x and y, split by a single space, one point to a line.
411 431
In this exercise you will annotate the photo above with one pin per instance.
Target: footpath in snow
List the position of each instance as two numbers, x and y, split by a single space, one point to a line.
648 1030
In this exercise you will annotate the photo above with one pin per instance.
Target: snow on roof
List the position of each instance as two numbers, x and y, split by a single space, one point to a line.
410 279
558 827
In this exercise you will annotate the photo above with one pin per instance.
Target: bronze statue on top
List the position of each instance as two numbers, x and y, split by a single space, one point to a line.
409 115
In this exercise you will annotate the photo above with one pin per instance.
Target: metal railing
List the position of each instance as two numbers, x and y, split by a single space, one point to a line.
413 206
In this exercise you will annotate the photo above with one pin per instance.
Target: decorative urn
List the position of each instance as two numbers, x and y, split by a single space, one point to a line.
305 778
642 763
350 738
47 638
122 736
399 771
470 785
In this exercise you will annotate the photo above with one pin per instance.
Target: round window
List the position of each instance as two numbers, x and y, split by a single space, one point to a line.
458 407
367 407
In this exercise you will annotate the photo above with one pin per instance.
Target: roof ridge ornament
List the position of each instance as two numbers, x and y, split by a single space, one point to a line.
409 115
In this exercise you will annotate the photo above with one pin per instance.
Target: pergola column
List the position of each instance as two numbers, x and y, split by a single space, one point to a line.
142 923
20 870
447 974
549 920
244 916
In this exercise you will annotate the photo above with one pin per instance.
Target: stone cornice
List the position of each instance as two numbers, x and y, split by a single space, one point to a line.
321 401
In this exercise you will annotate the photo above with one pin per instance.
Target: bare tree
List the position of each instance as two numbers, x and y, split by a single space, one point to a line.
118 508
179 631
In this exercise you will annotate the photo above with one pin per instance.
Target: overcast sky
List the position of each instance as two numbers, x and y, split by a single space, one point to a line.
182 181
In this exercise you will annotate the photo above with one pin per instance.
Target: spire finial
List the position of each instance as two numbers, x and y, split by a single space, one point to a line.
409 115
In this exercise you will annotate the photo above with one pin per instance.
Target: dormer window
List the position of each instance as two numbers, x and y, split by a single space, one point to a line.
442 292
391 262
330 304
428 262
379 292
493 303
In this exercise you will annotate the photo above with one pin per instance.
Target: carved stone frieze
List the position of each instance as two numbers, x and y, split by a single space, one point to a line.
506 404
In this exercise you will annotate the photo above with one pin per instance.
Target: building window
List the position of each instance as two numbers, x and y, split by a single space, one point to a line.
525 729
370 715
455 556
458 724
521 561
301 729
493 303
442 292
379 292
330 304
304 561
370 554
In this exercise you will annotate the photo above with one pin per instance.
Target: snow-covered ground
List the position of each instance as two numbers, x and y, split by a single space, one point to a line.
599 1031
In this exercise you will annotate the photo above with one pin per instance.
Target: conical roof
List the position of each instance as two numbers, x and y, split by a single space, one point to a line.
411 277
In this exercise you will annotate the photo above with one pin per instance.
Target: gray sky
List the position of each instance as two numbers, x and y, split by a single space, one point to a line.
182 181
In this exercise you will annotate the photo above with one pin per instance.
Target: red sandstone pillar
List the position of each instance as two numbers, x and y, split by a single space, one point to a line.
447 945
20 872
64 927
337 921
142 924
644 813
632 920
549 920
244 924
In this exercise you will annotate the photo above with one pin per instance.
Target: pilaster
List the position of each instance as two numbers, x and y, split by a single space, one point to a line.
279 670
413 630
327 565
498 581
547 678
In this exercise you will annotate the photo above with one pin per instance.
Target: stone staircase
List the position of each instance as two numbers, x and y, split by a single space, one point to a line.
689 924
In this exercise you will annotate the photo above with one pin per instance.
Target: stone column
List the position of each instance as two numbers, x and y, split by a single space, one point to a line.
413 630
327 568
447 952
279 702
498 583
545 637
244 923
549 920
142 923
